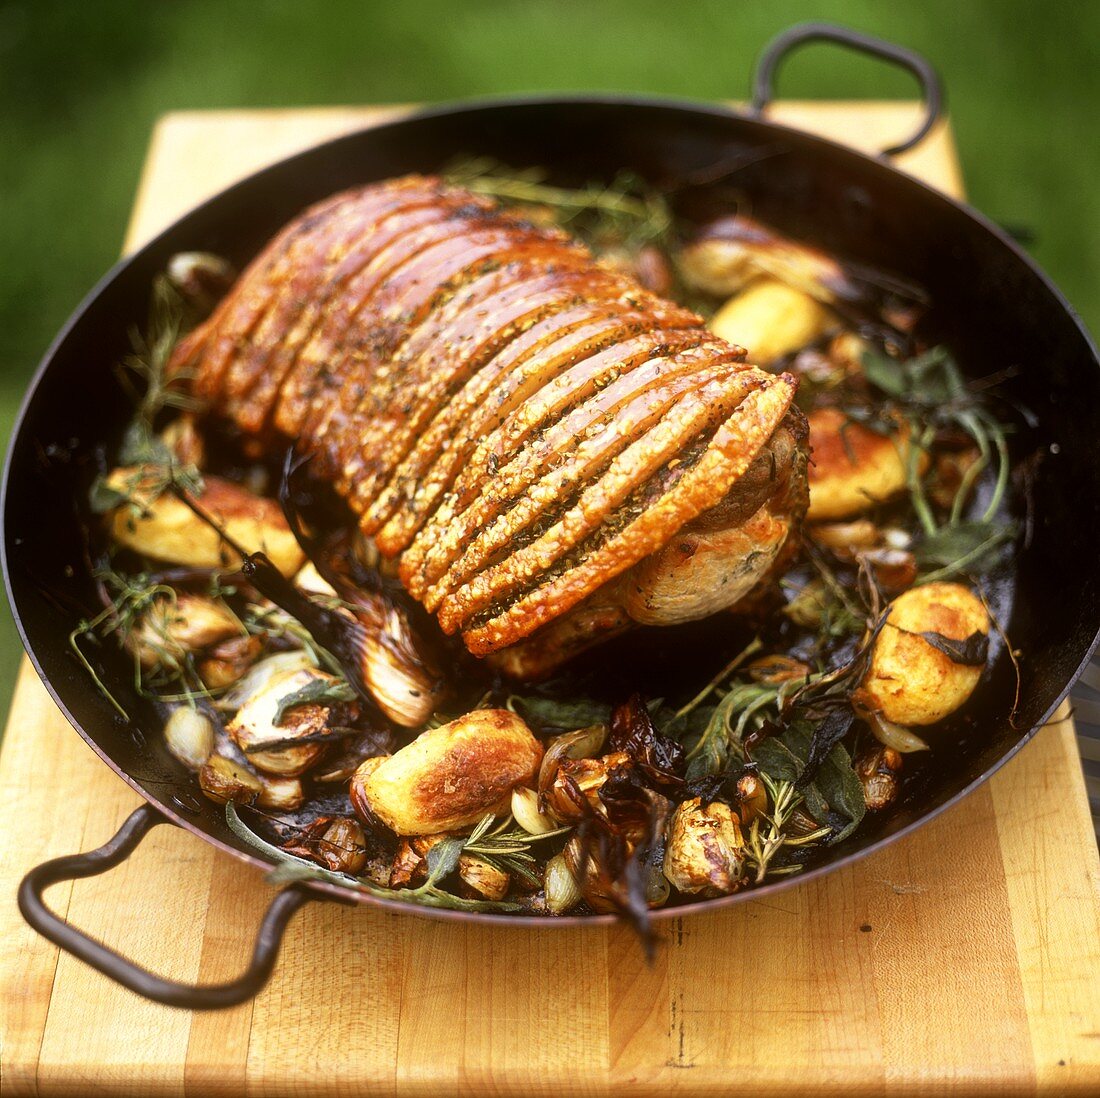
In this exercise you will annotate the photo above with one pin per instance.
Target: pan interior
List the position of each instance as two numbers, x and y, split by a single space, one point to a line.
993 308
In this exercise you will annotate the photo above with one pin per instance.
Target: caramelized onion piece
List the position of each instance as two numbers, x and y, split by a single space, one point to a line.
879 771
582 744
705 854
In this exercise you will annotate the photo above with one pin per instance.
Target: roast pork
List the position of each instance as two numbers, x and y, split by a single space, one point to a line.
548 450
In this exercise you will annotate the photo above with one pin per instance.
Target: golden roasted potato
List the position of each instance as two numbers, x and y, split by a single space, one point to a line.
853 467
706 850
166 529
911 682
771 319
449 777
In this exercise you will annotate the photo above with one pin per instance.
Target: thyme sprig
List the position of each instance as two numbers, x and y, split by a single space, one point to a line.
130 597
144 375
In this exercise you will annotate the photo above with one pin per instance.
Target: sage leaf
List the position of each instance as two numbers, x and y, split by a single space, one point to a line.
971 652
835 789
315 692
884 373
443 859
827 733
961 540
566 716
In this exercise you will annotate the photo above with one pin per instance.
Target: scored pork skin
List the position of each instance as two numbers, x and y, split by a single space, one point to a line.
515 423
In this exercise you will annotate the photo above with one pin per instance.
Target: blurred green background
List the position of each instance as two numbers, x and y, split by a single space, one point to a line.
81 85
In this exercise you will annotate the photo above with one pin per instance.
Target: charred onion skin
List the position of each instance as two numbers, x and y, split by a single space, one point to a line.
417 340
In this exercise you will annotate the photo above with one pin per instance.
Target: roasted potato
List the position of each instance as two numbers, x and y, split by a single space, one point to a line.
449 777
911 682
771 319
173 628
166 529
853 467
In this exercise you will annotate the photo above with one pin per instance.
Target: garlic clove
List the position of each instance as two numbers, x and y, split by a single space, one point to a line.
189 735
525 811
562 891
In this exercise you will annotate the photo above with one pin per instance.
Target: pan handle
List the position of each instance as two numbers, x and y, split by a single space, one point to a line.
126 972
778 48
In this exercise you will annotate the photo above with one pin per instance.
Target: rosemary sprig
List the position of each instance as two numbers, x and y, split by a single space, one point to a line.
626 210
765 842
144 376
149 364
507 847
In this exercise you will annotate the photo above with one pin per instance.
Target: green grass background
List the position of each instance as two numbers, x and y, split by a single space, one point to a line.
81 84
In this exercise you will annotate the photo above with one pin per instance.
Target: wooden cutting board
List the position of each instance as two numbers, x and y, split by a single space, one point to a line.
964 958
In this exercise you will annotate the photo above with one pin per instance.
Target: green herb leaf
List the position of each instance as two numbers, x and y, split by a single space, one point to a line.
315 692
443 859
102 498
962 539
971 652
884 373
827 733
836 786
960 546
566 716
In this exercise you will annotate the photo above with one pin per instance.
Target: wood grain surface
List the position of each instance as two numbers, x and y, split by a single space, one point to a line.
963 959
